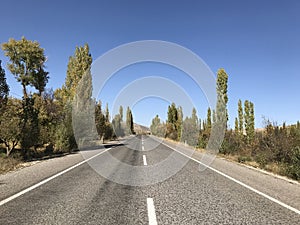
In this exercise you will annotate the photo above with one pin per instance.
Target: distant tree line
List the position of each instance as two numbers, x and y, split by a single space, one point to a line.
40 123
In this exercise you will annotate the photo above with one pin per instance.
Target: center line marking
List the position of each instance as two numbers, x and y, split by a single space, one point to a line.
151 212
143 148
144 160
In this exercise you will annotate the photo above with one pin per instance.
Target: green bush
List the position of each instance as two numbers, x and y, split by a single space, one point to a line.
262 158
231 143
293 168
2 155
65 140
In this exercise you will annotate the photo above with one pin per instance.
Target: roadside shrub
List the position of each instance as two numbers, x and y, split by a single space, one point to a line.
263 158
65 140
293 168
2 155
231 143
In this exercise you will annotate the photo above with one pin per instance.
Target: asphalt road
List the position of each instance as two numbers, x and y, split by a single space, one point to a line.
190 196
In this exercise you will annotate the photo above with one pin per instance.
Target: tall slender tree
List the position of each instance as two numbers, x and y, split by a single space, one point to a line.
208 118
194 117
77 87
214 116
190 133
236 126
172 114
247 117
121 112
107 115
129 122
83 111
4 89
116 124
179 122
252 122
172 122
240 117
78 65
99 119
222 97
220 116
249 121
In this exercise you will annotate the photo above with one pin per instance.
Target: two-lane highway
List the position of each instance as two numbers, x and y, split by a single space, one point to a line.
190 196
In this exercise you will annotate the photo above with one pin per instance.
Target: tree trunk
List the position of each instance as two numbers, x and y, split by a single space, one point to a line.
8 150
24 91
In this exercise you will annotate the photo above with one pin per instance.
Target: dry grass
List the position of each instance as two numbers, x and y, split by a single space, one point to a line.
229 157
274 168
8 164
252 163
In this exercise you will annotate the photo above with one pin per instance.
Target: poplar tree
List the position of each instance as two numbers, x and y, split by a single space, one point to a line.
204 133
99 119
83 114
236 126
240 118
78 67
172 122
155 125
191 129
4 89
252 122
179 122
129 122
208 118
247 118
249 121
220 116
116 123
214 119
222 98
121 112
107 116
172 114
195 117
204 125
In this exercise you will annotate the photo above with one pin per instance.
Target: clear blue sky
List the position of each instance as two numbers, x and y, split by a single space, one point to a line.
256 42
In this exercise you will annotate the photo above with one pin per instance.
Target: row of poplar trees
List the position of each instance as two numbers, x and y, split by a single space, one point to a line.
196 132
41 121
